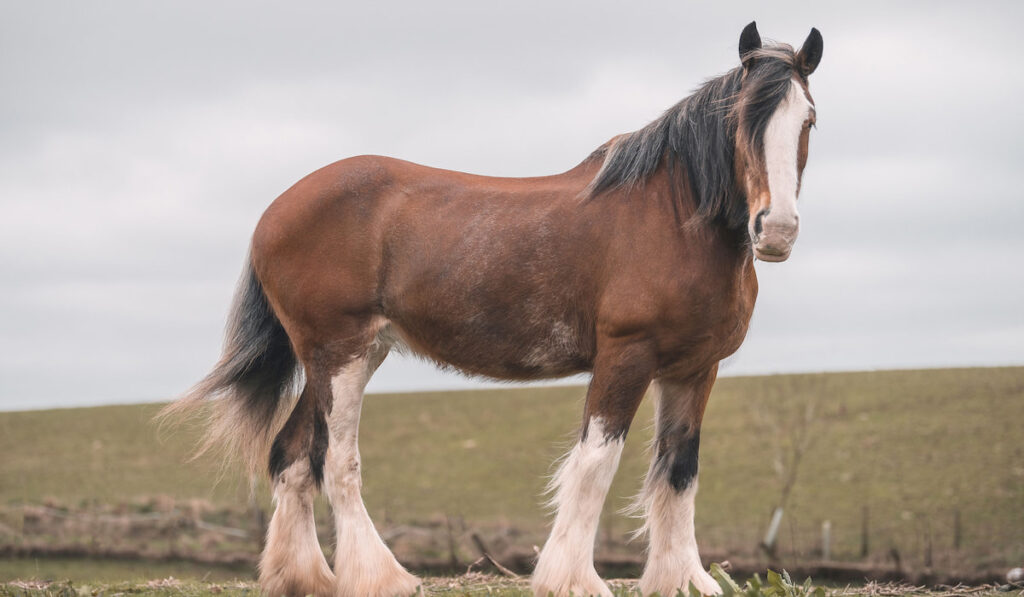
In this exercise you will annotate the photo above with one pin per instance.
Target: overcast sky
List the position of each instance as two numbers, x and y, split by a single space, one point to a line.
141 141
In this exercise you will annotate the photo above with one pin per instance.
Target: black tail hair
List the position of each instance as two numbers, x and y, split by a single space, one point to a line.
252 385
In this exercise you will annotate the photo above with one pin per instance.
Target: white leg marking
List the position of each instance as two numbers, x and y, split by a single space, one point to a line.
781 144
292 563
364 565
566 564
672 559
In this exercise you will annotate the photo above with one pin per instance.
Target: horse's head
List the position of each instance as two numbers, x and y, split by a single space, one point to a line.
774 113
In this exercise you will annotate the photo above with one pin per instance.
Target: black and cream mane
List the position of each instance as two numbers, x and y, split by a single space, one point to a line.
700 134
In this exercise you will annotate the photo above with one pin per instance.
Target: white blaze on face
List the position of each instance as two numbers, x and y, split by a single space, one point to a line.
781 146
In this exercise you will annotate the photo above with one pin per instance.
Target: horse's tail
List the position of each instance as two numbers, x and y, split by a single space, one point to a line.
252 384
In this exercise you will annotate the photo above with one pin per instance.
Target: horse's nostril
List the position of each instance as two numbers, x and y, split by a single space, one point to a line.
758 225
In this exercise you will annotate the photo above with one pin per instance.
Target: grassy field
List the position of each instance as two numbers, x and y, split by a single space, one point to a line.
915 449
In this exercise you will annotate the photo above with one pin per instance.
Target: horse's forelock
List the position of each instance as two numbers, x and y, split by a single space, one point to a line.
764 88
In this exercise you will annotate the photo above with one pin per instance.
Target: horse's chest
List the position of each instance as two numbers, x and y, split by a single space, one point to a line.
706 326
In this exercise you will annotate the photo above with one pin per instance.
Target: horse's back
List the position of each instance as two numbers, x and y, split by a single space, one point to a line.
440 254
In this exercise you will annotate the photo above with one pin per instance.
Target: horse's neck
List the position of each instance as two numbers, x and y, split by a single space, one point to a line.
678 195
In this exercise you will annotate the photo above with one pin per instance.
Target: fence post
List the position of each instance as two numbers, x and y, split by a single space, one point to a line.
773 530
957 530
928 546
864 533
826 540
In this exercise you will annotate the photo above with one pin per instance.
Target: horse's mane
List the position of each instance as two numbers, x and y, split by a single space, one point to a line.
700 134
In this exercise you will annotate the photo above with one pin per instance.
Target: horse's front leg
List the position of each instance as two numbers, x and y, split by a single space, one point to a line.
671 486
622 372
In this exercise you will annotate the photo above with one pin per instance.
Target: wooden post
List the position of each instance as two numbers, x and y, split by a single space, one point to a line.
894 553
826 540
768 544
864 533
958 536
928 547
453 559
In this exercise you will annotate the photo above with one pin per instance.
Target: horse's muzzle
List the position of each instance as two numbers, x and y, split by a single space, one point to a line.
773 235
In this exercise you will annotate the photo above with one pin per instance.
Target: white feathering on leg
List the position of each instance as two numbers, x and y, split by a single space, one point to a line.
566 564
292 563
673 561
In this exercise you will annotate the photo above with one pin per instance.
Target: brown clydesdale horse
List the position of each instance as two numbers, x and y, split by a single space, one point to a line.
636 265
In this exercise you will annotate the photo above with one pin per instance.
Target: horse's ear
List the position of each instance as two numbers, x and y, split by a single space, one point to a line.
750 40
810 55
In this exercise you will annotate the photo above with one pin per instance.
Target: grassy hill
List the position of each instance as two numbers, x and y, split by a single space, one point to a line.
913 450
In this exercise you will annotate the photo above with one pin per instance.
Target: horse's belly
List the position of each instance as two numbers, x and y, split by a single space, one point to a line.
496 347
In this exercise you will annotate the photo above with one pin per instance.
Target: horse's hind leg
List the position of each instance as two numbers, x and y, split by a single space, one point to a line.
292 563
364 565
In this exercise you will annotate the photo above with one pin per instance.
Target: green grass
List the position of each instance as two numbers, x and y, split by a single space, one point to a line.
914 447
115 571
479 586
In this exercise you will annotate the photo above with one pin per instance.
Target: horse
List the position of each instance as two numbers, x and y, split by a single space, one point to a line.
636 266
